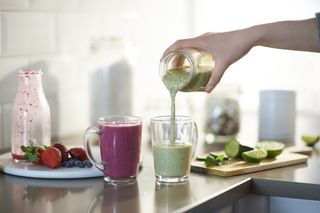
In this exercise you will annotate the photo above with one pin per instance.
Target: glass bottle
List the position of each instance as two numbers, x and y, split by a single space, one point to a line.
196 64
30 119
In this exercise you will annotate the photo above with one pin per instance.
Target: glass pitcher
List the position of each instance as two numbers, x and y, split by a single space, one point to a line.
30 119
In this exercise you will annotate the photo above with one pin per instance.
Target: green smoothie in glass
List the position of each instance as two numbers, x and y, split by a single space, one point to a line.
172 154
172 160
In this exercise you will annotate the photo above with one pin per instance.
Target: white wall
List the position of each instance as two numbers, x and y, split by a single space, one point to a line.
265 68
55 36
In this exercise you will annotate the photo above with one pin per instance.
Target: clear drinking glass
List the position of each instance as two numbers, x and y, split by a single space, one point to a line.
30 119
172 160
120 145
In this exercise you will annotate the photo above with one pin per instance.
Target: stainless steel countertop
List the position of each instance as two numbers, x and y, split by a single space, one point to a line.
20 194
200 193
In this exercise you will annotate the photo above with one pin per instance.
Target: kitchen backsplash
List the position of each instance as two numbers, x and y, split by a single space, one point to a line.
57 37
71 41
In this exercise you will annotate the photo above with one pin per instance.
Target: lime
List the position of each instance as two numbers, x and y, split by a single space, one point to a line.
234 149
273 148
255 156
310 140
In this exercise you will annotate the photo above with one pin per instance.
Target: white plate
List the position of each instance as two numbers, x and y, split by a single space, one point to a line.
25 169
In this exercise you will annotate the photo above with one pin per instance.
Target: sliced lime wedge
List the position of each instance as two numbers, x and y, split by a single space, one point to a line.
234 149
274 148
310 140
255 156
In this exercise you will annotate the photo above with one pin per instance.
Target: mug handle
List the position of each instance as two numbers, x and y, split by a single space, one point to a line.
87 146
194 139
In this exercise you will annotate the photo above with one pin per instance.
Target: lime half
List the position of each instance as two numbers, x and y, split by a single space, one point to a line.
273 148
255 156
234 149
310 140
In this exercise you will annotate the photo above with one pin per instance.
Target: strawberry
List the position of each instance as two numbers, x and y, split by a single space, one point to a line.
78 153
39 153
51 157
63 149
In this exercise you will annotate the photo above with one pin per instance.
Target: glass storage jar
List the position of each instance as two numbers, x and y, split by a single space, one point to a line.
195 63
222 114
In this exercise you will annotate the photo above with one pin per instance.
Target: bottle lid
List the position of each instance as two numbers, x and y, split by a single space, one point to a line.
30 72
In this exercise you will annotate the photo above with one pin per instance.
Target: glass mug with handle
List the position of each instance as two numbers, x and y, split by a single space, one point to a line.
120 145
172 159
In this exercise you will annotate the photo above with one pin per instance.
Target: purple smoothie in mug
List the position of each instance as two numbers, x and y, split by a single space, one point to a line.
120 149
120 145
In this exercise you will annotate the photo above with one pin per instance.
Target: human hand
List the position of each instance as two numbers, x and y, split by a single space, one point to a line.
226 48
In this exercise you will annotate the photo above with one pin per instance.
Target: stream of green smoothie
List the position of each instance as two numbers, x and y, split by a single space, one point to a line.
175 80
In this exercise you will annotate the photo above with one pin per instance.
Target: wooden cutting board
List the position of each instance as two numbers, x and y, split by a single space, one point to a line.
238 167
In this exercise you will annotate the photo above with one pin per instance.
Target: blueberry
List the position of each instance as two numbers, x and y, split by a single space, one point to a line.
87 164
71 162
65 164
77 163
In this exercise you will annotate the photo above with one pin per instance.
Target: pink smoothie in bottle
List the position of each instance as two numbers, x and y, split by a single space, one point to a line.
120 149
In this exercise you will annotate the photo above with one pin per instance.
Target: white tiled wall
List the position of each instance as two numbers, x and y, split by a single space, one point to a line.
55 36
0 34
53 5
9 66
77 28
20 31
265 68
13 4
6 116
1 134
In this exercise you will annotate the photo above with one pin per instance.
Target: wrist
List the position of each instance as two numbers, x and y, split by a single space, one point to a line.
253 35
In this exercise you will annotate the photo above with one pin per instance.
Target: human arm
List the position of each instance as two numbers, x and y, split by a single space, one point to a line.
229 47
